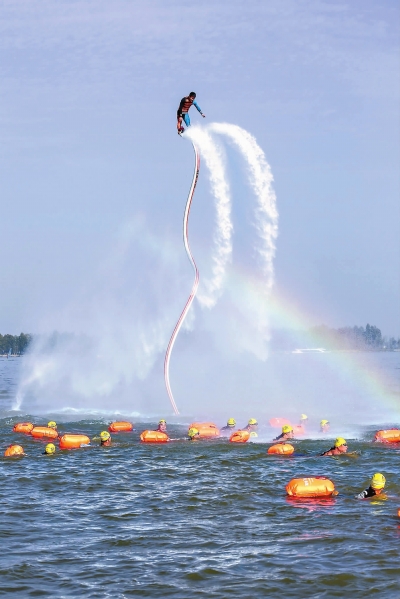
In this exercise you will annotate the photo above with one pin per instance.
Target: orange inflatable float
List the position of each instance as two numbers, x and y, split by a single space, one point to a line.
239 437
120 427
73 441
44 432
207 430
23 427
318 486
281 449
154 437
13 450
389 436
279 422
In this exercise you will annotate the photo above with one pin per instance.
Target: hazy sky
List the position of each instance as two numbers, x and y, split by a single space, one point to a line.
89 92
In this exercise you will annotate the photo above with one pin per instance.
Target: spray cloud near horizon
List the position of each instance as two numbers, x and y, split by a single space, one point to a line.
119 326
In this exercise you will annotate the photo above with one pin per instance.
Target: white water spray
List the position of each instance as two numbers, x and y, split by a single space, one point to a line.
260 178
213 156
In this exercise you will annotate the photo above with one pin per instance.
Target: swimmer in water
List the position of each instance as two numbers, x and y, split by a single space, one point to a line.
105 439
376 487
193 433
251 425
324 426
303 420
53 424
227 430
49 449
287 433
339 447
162 426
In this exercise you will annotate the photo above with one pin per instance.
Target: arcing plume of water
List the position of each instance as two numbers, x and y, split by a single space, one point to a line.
260 178
121 324
213 157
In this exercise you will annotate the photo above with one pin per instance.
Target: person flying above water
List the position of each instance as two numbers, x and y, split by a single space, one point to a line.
376 487
183 111
339 447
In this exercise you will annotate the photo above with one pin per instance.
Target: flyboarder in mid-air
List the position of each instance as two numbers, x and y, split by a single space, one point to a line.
183 111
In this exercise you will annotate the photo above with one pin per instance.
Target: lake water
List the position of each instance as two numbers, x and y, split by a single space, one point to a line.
204 519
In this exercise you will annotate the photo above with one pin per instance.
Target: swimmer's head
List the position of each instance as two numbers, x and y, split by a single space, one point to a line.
50 448
286 428
340 442
193 432
231 422
253 434
162 421
324 424
253 422
52 424
378 481
303 417
105 435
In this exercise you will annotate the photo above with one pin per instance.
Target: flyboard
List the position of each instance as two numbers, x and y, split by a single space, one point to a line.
195 283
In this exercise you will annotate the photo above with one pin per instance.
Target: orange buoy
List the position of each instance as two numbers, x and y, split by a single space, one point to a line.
207 430
13 450
44 432
388 436
318 486
23 427
70 441
154 437
239 437
398 512
298 430
119 427
279 422
281 449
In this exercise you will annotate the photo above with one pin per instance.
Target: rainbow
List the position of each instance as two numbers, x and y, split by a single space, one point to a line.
347 365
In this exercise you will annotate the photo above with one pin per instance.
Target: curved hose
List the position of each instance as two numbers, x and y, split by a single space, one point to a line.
195 283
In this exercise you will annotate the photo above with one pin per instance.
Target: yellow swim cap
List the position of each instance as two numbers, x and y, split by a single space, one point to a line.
231 422
253 434
324 422
52 424
192 432
253 421
286 428
162 422
303 417
104 435
50 448
340 441
378 481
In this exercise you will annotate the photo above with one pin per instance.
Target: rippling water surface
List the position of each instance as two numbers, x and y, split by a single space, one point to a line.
191 519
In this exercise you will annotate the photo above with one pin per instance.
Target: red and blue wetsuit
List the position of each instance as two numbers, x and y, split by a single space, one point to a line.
183 109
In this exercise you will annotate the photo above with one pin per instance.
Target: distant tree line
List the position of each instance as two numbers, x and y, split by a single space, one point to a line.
368 338
14 344
361 338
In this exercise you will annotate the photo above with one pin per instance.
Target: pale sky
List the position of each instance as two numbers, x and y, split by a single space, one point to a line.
89 92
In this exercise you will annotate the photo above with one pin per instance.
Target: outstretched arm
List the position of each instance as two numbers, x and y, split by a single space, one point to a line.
198 108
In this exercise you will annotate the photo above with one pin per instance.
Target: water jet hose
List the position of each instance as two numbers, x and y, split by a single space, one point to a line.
195 283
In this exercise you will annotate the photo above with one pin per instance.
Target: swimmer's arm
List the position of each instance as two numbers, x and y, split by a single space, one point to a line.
362 495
